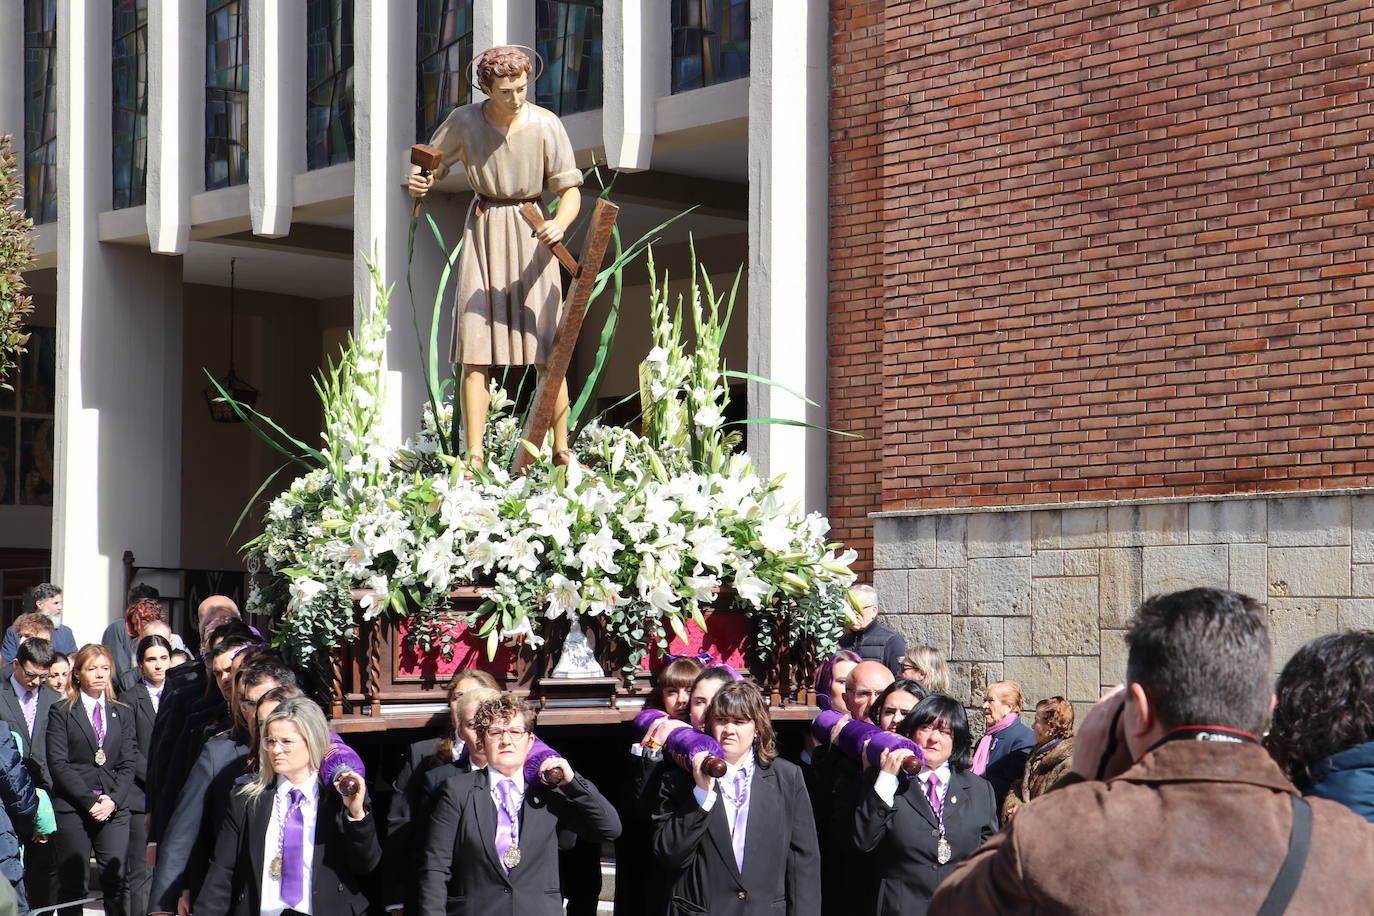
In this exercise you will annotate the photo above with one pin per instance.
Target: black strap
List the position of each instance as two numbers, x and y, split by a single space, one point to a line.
1290 873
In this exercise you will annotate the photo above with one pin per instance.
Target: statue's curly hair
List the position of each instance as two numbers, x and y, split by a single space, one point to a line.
1325 702
501 61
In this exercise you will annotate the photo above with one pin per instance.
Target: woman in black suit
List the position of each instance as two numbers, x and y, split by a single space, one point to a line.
744 844
289 843
92 755
918 830
153 654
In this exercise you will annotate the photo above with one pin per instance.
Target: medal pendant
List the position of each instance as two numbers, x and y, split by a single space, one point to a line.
275 868
100 756
943 852
512 856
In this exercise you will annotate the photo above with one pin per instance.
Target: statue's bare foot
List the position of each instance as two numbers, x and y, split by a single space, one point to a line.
475 460
564 457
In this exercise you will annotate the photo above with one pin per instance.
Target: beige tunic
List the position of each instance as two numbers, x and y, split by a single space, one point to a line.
509 289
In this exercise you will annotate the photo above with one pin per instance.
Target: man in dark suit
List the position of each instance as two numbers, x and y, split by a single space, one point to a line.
47 600
184 689
24 705
493 839
1004 747
870 638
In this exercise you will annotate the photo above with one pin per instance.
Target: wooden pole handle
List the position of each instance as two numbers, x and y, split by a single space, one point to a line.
911 765
553 776
535 218
714 766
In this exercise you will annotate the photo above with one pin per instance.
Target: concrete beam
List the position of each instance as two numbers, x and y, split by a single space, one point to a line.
636 63
276 110
176 120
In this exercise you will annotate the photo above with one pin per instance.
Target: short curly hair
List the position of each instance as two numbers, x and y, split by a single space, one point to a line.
501 61
1057 714
1324 702
504 709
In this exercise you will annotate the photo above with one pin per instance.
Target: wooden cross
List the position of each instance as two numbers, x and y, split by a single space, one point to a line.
565 339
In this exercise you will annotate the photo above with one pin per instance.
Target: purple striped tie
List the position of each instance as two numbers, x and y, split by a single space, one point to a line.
98 726
293 851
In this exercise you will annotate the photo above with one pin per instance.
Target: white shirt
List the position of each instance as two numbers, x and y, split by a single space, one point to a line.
89 702
708 801
886 786
272 904
154 694
494 777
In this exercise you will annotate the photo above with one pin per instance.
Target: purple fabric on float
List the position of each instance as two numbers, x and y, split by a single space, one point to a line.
853 735
539 752
685 743
340 758
645 719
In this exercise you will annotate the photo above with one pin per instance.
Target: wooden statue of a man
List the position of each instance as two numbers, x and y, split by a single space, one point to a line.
507 307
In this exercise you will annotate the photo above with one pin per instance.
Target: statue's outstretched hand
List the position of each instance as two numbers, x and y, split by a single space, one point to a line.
419 184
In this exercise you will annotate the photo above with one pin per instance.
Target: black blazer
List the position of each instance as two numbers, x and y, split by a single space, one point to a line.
71 756
185 684
35 745
781 874
903 838
460 874
407 820
194 825
140 701
345 852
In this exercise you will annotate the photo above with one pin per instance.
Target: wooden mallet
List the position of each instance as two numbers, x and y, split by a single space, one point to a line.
430 160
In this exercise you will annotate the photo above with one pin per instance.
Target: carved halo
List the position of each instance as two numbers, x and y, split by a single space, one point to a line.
477 59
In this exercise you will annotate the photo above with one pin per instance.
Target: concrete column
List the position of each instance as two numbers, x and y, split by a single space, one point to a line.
788 144
384 120
501 22
276 111
118 412
176 120
637 65
12 75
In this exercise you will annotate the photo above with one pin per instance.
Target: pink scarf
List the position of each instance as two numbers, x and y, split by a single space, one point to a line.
985 743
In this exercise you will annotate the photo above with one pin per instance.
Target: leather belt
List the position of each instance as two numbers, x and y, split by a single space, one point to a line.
483 202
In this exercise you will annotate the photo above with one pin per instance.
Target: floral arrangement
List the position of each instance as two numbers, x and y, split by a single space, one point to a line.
16 249
640 532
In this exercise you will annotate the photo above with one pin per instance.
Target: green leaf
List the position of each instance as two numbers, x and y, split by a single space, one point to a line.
248 506
784 422
746 376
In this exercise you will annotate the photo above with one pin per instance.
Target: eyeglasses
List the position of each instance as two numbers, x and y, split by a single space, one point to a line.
496 734
870 694
287 745
908 666
34 676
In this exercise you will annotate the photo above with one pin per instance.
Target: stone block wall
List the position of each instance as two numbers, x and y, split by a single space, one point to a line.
1043 595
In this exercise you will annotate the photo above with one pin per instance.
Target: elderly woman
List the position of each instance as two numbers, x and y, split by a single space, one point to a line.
1322 734
1052 758
919 829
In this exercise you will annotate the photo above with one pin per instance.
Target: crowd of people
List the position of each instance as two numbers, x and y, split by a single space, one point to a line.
212 784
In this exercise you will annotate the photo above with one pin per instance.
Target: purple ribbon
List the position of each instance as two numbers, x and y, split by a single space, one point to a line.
706 658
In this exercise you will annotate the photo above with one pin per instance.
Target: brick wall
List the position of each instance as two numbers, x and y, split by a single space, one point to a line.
856 291
1123 250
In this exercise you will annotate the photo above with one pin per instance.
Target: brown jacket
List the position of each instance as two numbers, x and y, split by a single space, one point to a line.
1044 769
1193 827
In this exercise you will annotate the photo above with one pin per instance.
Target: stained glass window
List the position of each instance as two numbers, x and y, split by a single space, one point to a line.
129 93
710 42
226 93
40 109
567 33
443 51
328 82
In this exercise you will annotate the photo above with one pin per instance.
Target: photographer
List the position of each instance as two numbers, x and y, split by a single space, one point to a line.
1172 805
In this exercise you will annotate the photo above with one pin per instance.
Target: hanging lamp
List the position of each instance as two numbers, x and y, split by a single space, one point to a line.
221 411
